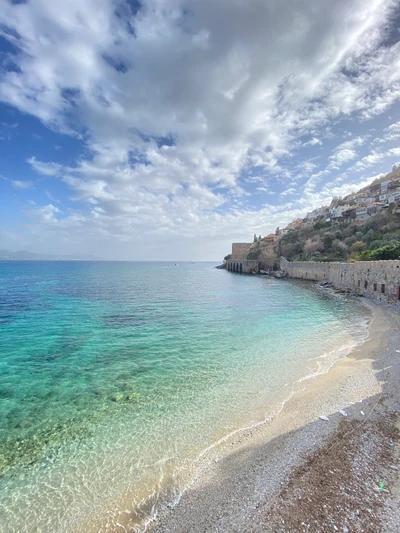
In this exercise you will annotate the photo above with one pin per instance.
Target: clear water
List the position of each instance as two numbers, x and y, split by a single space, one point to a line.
115 377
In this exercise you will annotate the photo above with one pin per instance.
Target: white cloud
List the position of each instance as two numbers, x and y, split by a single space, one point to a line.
375 157
345 152
313 142
177 111
45 169
18 184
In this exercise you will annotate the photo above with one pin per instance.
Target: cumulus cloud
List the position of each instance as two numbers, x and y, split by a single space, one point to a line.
179 102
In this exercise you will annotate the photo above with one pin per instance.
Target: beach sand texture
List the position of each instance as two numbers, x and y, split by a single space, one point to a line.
300 473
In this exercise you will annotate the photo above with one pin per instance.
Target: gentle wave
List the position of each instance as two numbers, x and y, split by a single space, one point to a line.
119 379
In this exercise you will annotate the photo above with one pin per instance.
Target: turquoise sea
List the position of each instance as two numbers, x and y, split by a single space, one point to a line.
115 377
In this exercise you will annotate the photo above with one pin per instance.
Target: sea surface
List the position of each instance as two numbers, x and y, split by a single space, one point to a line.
117 377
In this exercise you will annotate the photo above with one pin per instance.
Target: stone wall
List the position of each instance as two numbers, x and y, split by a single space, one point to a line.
243 267
240 251
377 280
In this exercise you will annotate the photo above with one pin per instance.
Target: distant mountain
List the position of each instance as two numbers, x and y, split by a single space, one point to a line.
22 255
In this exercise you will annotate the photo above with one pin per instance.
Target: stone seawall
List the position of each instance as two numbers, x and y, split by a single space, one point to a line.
243 267
377 280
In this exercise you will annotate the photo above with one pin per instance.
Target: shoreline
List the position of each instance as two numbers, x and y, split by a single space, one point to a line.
238 482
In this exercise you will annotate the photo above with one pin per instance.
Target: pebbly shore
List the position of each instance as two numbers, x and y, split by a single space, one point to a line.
329 462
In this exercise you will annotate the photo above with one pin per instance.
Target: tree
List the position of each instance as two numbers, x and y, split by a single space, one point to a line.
311 247
327 239
339 247
255 238
358 247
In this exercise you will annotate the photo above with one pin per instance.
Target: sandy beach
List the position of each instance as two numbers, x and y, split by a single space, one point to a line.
301 473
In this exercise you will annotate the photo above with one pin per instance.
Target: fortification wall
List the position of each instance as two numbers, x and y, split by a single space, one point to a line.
243 267
378 280
240 251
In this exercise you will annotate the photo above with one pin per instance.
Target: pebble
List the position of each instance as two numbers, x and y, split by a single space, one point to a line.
325 418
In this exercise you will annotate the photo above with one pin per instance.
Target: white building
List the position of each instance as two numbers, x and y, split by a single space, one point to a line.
384 186
394 197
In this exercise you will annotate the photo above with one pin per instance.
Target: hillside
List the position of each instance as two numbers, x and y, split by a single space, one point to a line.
361 226
364 225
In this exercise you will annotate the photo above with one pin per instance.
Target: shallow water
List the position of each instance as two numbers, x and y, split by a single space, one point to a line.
115 377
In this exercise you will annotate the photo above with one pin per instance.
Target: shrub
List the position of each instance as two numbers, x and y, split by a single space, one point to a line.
390 251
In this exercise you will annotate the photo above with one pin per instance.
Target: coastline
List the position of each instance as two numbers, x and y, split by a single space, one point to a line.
253 480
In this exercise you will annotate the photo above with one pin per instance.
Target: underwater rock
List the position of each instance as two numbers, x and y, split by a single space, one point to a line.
132 396
117 397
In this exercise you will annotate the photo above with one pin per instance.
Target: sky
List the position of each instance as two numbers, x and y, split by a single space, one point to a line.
168 129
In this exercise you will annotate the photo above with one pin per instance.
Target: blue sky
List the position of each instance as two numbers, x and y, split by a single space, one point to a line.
167 129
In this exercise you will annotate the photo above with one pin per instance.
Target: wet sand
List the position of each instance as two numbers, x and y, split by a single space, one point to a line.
298 472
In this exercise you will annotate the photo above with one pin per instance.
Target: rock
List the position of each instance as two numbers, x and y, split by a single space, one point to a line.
325 418
132 396
117 397
343 413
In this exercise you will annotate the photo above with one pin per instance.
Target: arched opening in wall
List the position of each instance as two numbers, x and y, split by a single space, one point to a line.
375 287
365 284
241 267
383 288
237 267
398 296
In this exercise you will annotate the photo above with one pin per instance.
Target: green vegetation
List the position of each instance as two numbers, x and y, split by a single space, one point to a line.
256 250
389 251
377 238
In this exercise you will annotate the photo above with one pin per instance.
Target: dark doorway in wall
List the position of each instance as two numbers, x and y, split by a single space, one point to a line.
383 288
241 267
365 284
